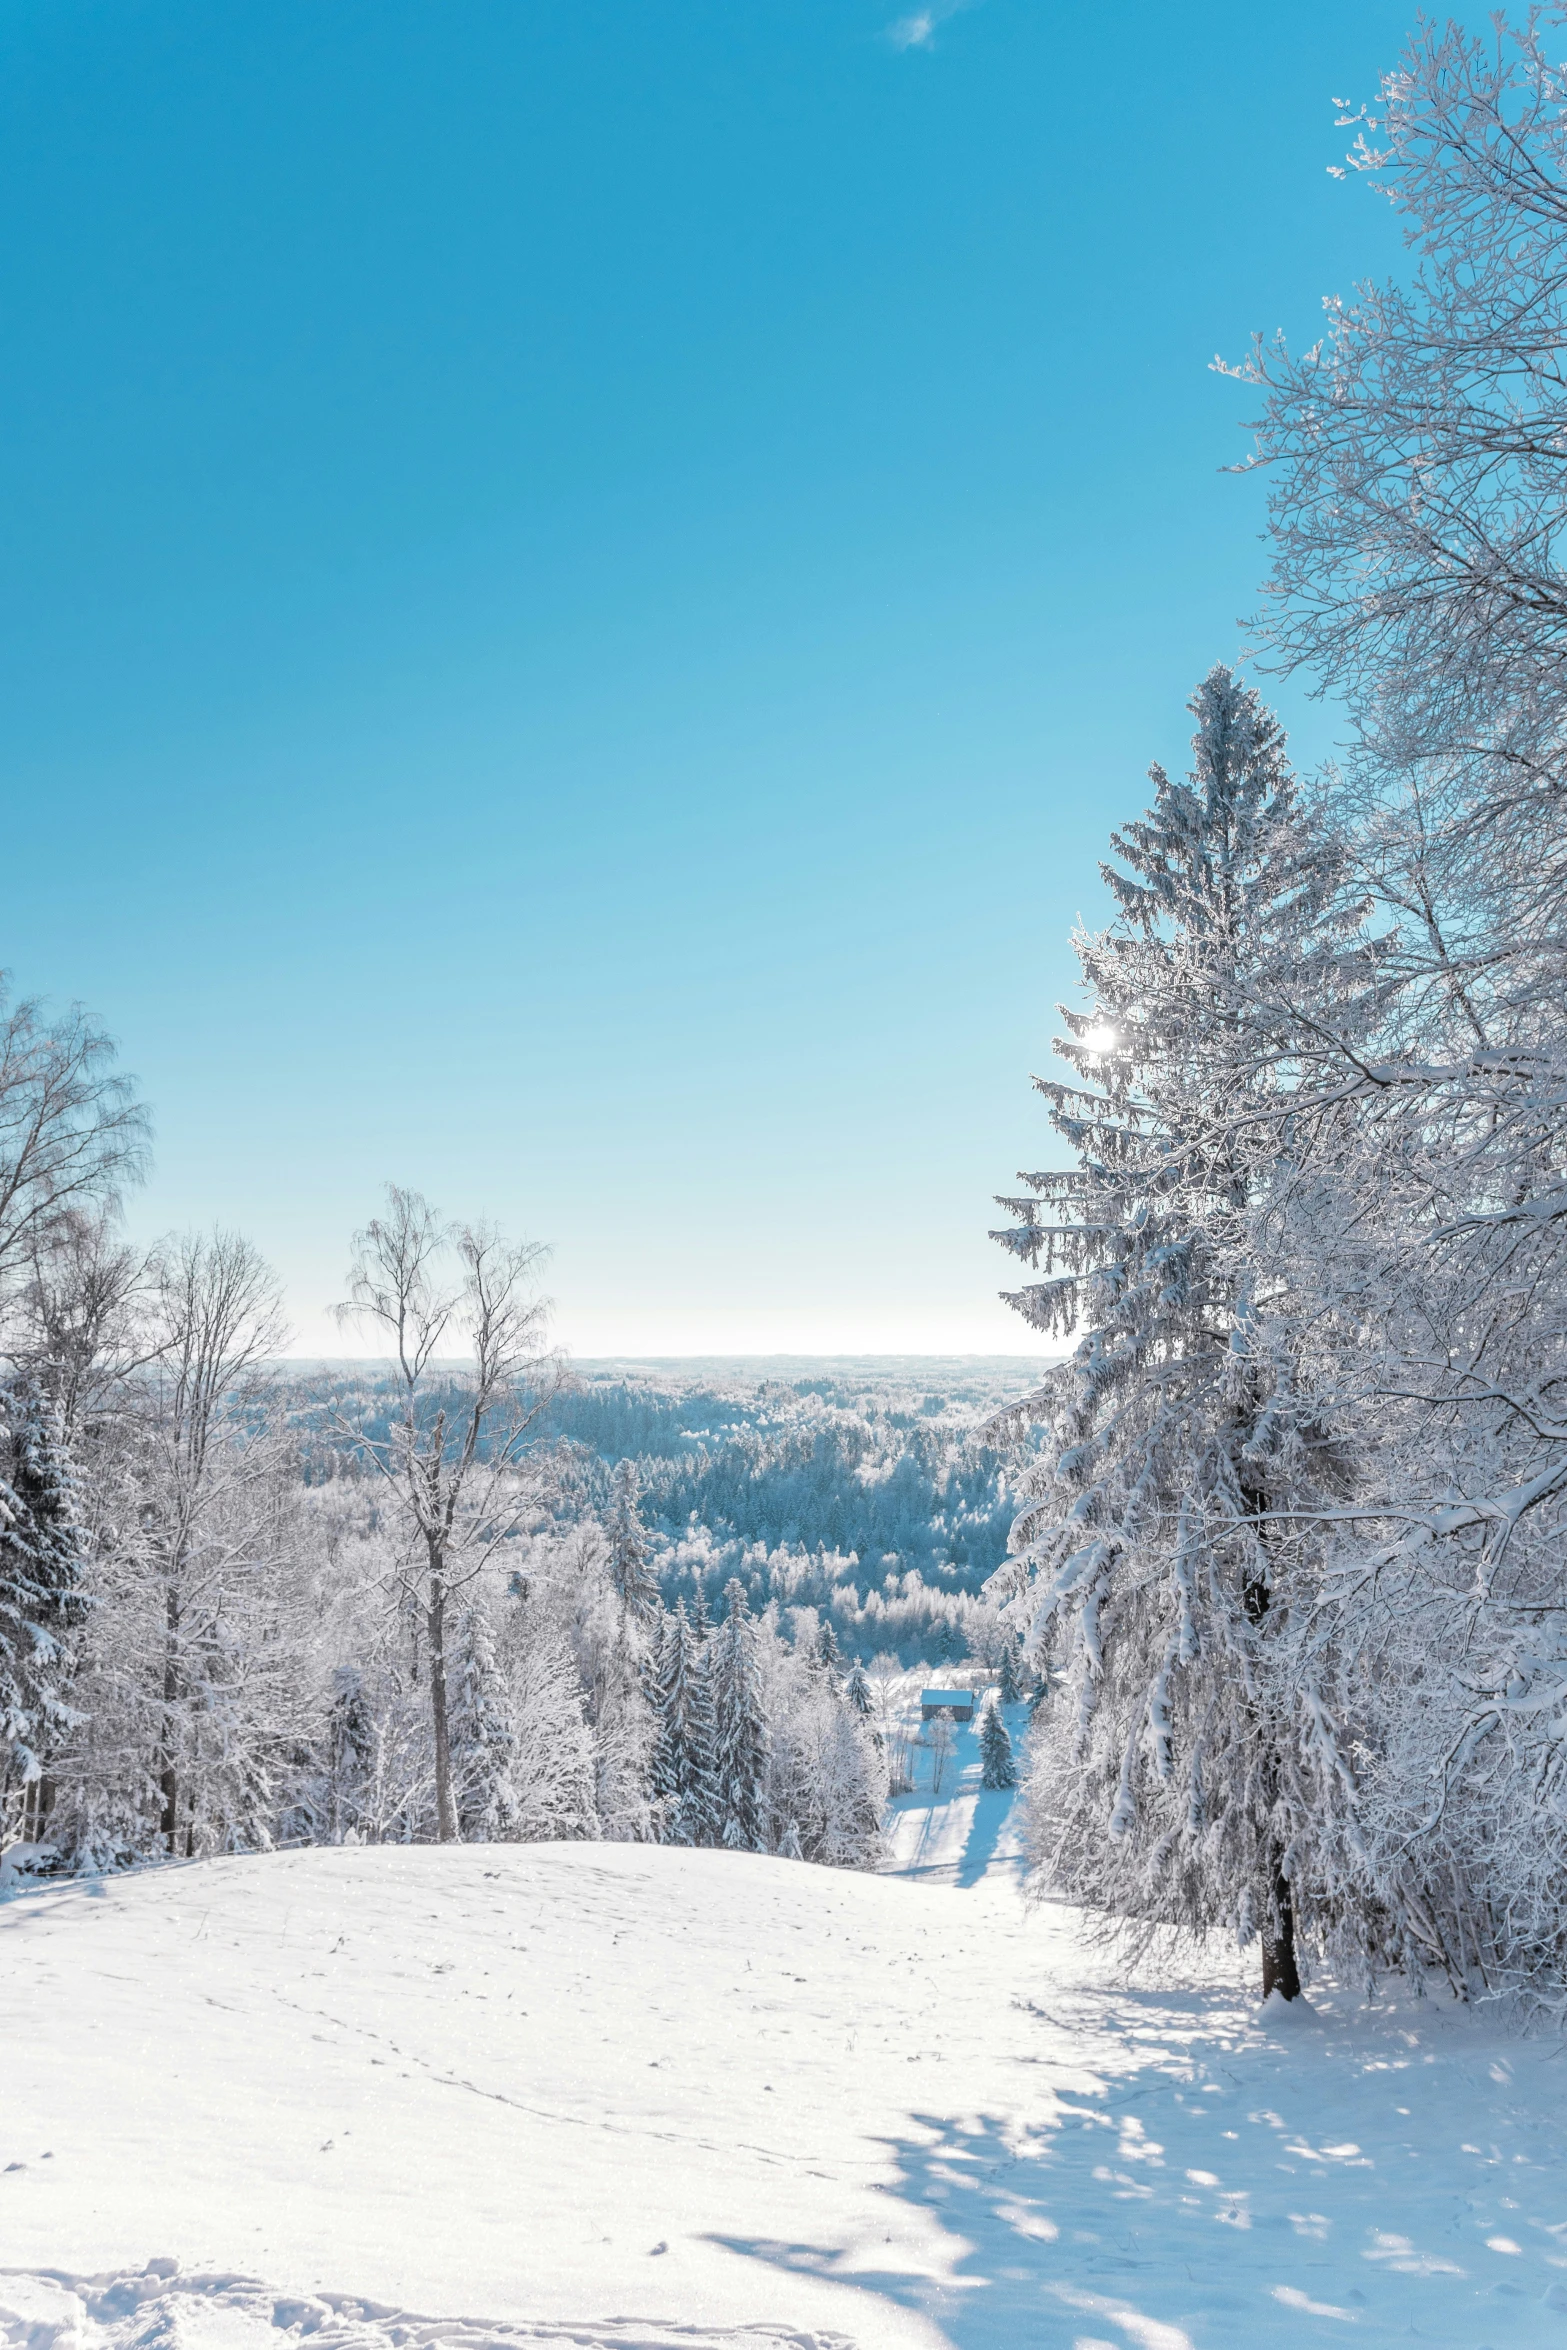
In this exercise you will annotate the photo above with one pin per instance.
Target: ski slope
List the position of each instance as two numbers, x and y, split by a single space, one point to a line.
613 2095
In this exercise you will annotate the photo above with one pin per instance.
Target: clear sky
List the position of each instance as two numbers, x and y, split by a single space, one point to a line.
585 579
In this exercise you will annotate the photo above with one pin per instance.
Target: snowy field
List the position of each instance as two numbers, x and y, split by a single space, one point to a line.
619 2095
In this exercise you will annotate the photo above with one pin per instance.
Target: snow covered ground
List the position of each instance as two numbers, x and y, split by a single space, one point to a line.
607 2095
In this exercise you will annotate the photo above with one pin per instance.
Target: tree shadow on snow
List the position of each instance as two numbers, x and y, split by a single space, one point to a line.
992 1809
1001 2267
1182 2206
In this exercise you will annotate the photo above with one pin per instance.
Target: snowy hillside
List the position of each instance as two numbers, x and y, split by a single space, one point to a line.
643 2096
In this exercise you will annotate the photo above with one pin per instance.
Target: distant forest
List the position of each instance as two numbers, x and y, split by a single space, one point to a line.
868 1494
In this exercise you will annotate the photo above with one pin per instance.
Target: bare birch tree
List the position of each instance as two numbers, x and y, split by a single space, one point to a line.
452 1453
71 1129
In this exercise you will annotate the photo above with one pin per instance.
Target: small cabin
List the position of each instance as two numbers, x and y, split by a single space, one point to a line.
957 1704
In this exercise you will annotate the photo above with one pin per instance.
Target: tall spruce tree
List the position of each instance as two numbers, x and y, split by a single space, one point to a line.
483 1742
42 1599
740 1733
1190 1779
684 1770
828 1654
996 1768
631 1576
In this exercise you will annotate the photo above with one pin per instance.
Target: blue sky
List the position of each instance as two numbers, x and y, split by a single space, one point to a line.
585 580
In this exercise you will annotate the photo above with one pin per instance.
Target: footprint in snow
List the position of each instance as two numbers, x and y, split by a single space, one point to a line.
657 2249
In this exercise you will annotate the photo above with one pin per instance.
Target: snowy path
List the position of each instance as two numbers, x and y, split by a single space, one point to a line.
620 2096
957 1833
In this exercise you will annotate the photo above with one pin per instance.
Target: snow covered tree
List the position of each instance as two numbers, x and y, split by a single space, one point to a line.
42 1598
452 1471
483 1741
1187 1780
1419 527
828 1654
205 1468
1419 447
996 1767
1010 1688
684 1771
825 1780
349 1748
740 1735
630 1572
857 1691
72 1132
553 1768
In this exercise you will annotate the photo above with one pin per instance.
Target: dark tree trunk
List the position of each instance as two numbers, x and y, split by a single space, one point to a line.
445 1808
1279 1971
168 1767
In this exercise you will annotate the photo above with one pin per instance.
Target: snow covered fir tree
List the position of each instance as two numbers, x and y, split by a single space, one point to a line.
997 1769
1171 1783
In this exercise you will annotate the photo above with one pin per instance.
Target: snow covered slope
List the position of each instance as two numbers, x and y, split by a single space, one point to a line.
613 2095
957 1832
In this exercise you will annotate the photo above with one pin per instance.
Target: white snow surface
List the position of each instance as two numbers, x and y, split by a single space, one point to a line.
665 2100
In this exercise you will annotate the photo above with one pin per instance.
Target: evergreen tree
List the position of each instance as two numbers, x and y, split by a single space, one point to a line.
1191 1781
42 1600
349 1744
701 1620
684 1774
1009 1687
948 1644
996 1768
857 1691
740 1740
483 1742
700 1811
665 1673
631 1576
828 1654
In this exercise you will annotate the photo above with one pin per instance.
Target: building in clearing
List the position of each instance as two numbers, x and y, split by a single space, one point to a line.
958 1704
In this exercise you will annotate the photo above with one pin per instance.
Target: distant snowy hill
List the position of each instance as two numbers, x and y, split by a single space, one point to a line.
641 2096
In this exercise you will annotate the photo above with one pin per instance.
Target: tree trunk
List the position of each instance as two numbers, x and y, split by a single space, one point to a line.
168 1766
1279 1971
445 1808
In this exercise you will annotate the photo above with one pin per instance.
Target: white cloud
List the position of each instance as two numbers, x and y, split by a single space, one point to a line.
913 32
919 30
